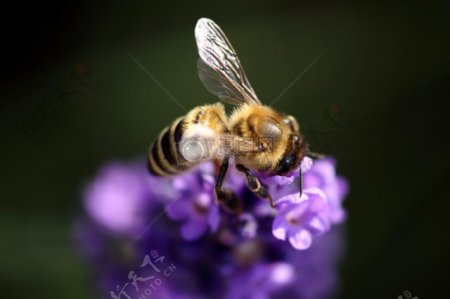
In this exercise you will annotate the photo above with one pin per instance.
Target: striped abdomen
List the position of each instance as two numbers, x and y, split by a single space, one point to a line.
165 157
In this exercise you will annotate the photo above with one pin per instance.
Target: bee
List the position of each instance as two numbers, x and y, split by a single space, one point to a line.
258 138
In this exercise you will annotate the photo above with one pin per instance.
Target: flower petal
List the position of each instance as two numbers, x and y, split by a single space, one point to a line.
291 198
213 217
178 210
282 273
319 225
193 229
279 228
301 240
306 164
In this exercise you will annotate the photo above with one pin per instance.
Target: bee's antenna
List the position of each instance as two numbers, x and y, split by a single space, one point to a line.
301 181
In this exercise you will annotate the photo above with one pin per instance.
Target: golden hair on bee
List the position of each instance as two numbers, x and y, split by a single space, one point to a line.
271 132
173 151
258 137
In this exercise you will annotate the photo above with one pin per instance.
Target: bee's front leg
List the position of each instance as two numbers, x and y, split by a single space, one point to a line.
315 156
254 184
226 197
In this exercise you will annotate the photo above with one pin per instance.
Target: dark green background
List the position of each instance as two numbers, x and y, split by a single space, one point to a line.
386 69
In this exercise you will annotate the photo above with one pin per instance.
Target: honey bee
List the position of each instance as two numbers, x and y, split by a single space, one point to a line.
257 137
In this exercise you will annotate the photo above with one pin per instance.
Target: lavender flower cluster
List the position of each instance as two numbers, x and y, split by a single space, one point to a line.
152 237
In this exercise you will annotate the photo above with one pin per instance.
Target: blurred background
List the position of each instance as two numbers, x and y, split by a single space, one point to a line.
73 99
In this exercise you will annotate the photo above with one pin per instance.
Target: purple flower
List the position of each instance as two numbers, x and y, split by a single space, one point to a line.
316 269
259 281
118 198
282 186
195 206
196 214
233 256
299 218
323 176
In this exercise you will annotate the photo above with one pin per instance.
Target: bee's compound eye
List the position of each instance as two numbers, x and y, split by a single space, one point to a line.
289 160
286 164
270 130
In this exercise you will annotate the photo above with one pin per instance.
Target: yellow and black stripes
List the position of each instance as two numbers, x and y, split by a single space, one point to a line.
164 157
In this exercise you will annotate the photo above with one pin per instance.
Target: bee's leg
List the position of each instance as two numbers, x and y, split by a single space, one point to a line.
301 181
226 197
254 184
315 156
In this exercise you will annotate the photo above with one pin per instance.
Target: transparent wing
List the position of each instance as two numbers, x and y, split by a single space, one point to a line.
216 83
219 67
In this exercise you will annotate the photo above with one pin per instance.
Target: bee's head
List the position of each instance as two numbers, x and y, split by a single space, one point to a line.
295 148
280 144
293 155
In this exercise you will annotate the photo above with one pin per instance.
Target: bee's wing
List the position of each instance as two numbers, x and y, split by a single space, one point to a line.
230 144
219 67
